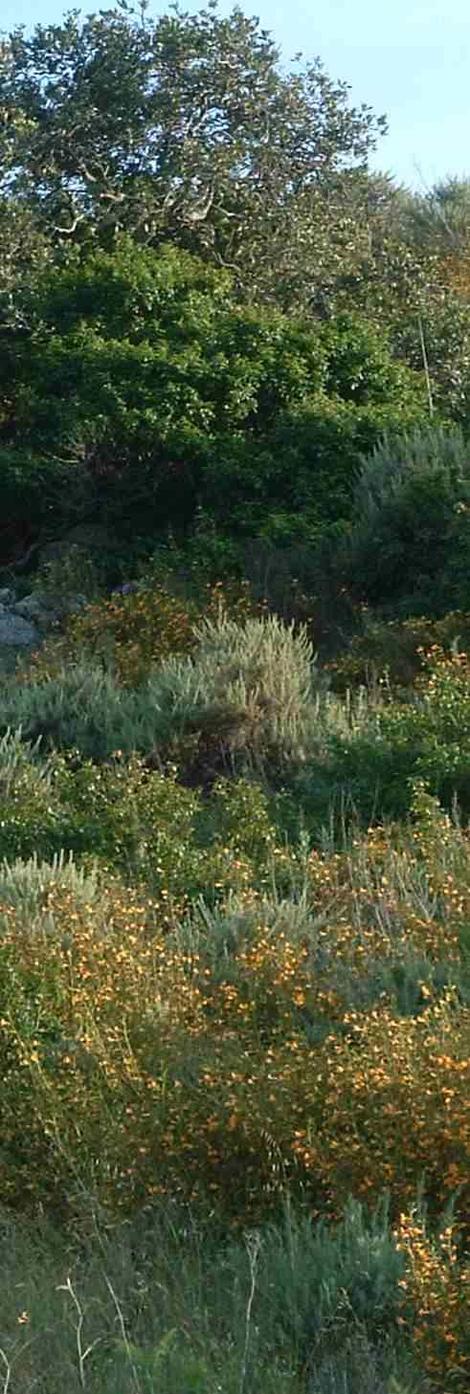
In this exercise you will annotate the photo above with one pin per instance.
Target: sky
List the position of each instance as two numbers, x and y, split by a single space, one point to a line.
407 59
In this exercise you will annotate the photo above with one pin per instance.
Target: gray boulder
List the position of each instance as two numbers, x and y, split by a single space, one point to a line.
44 610
7 596
16 632
34 608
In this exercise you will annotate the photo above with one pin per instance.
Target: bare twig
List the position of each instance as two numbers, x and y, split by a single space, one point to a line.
68 231
7 1367
426 366
81 1353
125 1338
112 197
253 1246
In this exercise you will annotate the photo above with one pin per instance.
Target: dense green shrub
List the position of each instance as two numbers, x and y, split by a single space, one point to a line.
369 770
123 819
408 548
164 393
328 1278
30 814
37 492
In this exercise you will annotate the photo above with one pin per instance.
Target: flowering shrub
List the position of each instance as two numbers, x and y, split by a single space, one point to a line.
424 735
137 822
436 1288
219 1057
395 652
128 631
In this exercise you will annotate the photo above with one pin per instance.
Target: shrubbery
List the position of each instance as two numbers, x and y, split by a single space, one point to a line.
425 735
155 1050
235 778
351 1002
126 633
409 544
391 653
130 632
132 821
152 393
241 698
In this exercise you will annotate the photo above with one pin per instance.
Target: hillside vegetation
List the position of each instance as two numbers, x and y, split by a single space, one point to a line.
234 727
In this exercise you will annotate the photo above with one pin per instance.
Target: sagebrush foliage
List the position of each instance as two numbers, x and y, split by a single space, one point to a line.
241 696
408 547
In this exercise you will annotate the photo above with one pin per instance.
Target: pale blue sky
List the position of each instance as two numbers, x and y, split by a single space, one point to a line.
409 59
